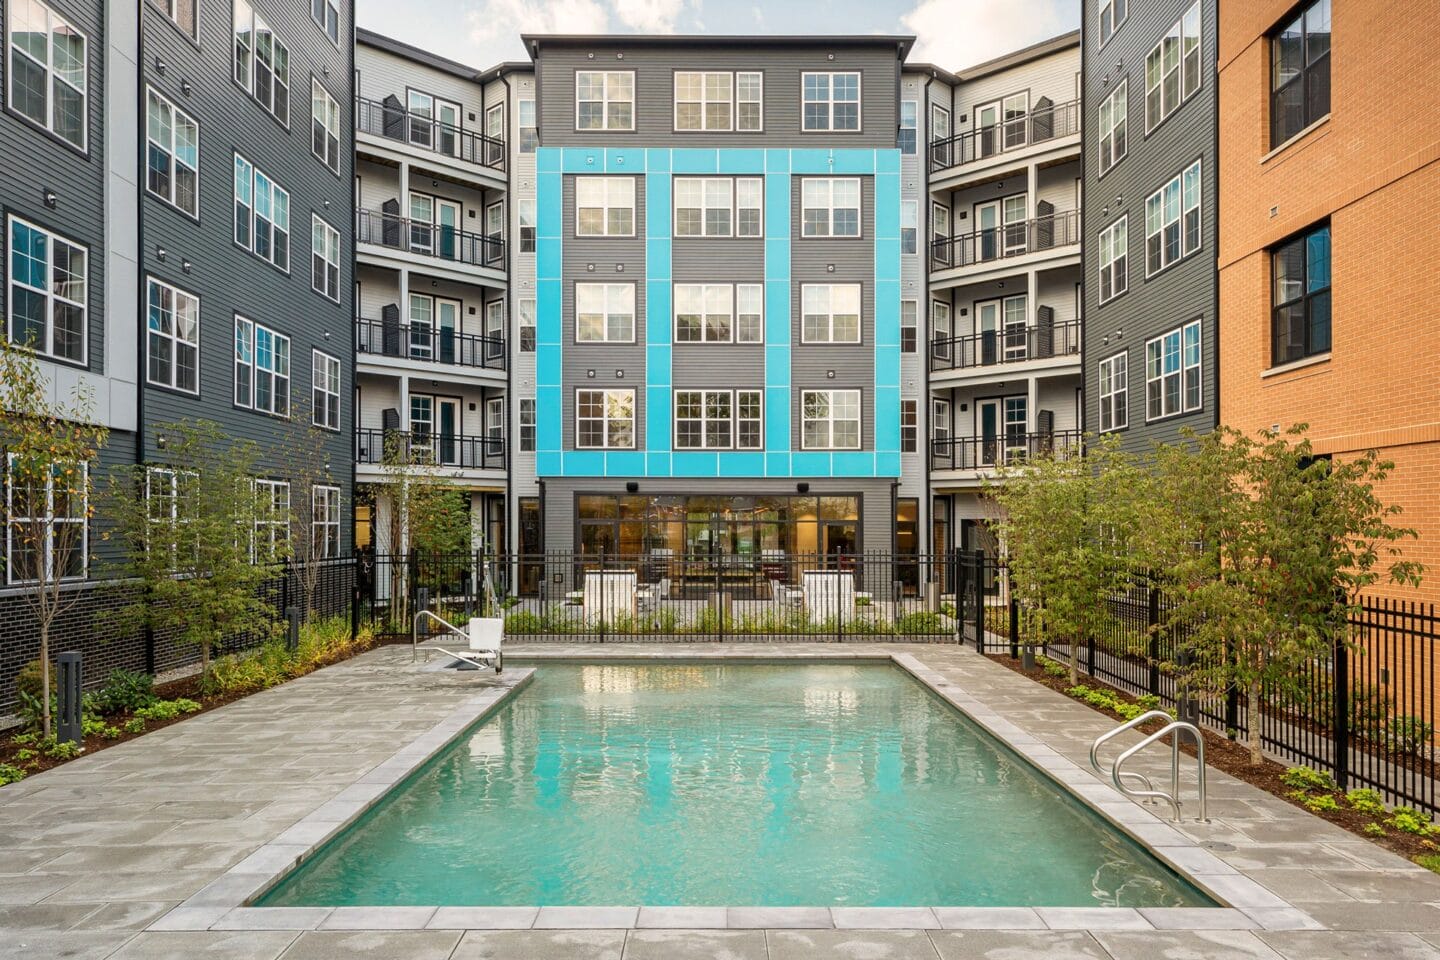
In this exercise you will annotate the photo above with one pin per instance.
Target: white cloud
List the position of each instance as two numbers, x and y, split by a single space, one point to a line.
505 19
954 34
649 16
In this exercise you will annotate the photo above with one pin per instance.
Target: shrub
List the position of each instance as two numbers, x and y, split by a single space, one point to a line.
1409 820
920 622
1052 667
1375 830
1321 803
523 622
135 725
10 774
1369 708
30 693
1306 780
60 749
166 709
1366 800
1409 735
125 690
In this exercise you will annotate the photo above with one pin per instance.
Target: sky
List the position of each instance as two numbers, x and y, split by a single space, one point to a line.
953 34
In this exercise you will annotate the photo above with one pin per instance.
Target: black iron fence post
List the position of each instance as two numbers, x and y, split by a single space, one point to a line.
961 571
979 602
1014 624
1152 623
1341 697
604 589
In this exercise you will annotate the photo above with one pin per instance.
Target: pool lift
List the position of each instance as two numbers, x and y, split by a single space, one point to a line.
1140 787
484 636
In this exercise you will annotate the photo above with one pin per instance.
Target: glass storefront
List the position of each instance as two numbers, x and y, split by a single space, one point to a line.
760 526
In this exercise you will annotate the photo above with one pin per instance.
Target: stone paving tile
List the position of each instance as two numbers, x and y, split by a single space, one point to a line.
31 888
684 918
54 946
483 918
779 918
585 918
1296 885
541 945
1385 885
884 918
378 918
1339 945
1092 918
1412 917
380 944
204 946
44 917
989 918
696 945
1016 945
1186 945
126 915
849 945
1188 918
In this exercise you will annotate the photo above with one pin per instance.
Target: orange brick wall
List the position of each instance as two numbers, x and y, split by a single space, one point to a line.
1374 169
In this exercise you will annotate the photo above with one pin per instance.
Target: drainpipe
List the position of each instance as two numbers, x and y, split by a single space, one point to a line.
511 407
922 309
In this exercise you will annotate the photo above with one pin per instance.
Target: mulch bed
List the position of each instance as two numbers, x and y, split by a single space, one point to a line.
1233 757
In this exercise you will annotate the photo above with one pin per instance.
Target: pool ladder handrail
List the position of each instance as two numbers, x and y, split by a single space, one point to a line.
1176 727
415 630
1128 725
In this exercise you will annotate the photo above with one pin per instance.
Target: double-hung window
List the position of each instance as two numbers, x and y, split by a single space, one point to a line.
1172 220
525 207
324 126
1112 14
830 313
527 424
605 313
1114 125
830 419
324 522
604 206
1300 307
324 258
325 399
909 425
1114 259
1172 69
526 324
1115 392
172 499
181 11
718 206
1300 72
719 101
905 138
262 214
172 337
1172 372
172 154
47 292
830 207
271 530
604 100
909 326
909 225
46 534
262 368
529 133
718 313
262 62
830 102
327 14
718 420
48 70
605 419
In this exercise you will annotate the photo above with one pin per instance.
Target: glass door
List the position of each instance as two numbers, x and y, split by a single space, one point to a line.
447 127
987 129
987 230
988 414
447 226
447 430
447 325
987 324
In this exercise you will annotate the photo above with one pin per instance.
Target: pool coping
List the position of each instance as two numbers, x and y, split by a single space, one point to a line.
224 903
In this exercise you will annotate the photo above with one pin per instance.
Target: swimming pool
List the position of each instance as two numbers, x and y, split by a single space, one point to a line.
730 784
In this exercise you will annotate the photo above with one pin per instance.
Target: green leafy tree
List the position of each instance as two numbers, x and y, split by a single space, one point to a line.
50 447
305 451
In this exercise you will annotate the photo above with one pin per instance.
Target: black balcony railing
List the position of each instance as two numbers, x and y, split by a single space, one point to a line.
423 341
429 449
1042 124
986 453
1011 344
389 119
428 239
1011 240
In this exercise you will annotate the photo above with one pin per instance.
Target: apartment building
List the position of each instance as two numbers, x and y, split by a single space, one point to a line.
1151 340
1330 157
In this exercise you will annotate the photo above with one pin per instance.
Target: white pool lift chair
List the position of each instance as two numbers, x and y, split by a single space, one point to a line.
484 636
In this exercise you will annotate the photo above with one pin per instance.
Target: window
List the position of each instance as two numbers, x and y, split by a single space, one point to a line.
526 207
244 362
605 312
605 206
604 419
172 503
46 535
526 323
1300 72
604 100
909 326
181 11
718 206
909 426
262 62
48 70
324 125
324 522
173 337
719 313
48 296
1114 122
1172 70
529 135
1114 392
527 424
909 225
830 207
262 214
272 520
495 134
749 313
327 14
1300 310
718 101
172 154
1172 372
718 419
830 312
325 377
1112 14
262 368
905 139
1114 259
325 258
831 419
1172 220
831 101
749 422
940 420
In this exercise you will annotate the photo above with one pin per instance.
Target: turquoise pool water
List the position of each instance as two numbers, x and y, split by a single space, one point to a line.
691 784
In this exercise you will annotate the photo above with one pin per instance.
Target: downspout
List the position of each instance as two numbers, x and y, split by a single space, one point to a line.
141 307
511 407
922 309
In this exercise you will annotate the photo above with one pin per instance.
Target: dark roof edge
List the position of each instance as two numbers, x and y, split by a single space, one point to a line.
934 71
1022 56
694 40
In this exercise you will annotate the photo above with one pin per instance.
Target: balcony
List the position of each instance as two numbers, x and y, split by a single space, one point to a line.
1050 231
980 454
1040 127
422 448
391 121
428 344
1014 344
431 240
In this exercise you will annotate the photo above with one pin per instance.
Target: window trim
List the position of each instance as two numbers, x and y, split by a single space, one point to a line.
913 126
271 521
733 100
606 207
734 312
1297 14
830 315
530 445
7 270
320 521
605 392
318 221
1121 221
324 27
152 281
48 125
913 444
253 58
315 84
1123 87
1115 25
831 420
605 102
734 208
913 326
251 206
1306 296
529 243
191 34
1158 49
1123 390
1180 222
172 153
830 208
253 343
830 100
732 420
316 355
521 326
1199 365
50 520
606 315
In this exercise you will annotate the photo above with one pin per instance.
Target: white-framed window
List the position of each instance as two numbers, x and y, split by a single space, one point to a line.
718 312
830 101
172 503
1114 126
1115 392
909 326
605 312
830 419
718 420
324 124
1172 220
749 419
909 426
905 140
47 291
605 206
605 419
718 206
605 100
324 522
529 133
271 530
48 70
172 154
1115 259
244 362
525 209
749 313
940 420
324 258
719 101
527 424
262 368
262 214
326 13
325 399
1112 14
262 62
1172 69
1173 372
180 11
830 313
495 133
526 323
172 337
830 206
909 225
58 514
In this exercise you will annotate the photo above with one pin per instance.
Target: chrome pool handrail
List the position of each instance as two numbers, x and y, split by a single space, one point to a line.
1176 727
1128 725
415 630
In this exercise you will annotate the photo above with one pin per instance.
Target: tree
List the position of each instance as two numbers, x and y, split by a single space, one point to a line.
201 536
305 451
50 447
